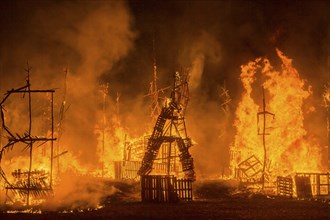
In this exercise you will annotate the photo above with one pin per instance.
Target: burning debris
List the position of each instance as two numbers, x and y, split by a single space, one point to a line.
163 159
30 184
35 181
162 162
250 170
264 167
100 140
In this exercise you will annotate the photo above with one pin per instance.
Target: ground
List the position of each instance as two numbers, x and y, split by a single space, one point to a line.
226 208
213 200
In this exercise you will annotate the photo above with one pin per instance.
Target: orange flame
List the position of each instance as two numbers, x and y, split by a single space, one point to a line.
288 147
110 147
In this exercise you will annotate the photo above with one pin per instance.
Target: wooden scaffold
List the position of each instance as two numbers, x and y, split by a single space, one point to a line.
169 130
36 183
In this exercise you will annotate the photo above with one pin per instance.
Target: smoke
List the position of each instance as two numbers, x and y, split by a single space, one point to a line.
86 37
194 53
236 32
78 192
111 41
197 70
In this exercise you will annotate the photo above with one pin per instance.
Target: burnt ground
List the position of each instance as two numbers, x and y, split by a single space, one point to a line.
226 208
213 200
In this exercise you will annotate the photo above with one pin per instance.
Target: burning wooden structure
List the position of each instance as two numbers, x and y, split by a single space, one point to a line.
307 185
284 186
133 152
315 185
170 128
267 167
29 183
127 168
170 135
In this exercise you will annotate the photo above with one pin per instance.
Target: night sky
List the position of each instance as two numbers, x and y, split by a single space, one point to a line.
111 41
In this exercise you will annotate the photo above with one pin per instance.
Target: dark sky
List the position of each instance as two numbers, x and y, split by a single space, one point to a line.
242 30
111 41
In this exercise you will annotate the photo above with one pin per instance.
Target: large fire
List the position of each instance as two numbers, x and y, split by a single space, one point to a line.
288 147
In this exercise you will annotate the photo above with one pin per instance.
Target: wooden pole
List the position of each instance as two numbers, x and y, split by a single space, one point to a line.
52 143
29 133
263 113
264 139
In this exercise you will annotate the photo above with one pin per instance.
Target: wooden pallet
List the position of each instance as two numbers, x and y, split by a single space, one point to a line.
158 188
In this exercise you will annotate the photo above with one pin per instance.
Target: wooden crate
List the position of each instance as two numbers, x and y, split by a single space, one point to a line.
159 188
184 189
284 186
318 183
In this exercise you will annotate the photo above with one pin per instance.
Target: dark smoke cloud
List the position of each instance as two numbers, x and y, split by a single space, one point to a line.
111 41
87 37
218 37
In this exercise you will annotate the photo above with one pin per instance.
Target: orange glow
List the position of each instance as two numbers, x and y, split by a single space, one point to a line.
110 147
289 148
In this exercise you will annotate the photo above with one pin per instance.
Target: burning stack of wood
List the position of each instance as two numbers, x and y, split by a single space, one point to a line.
170 128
